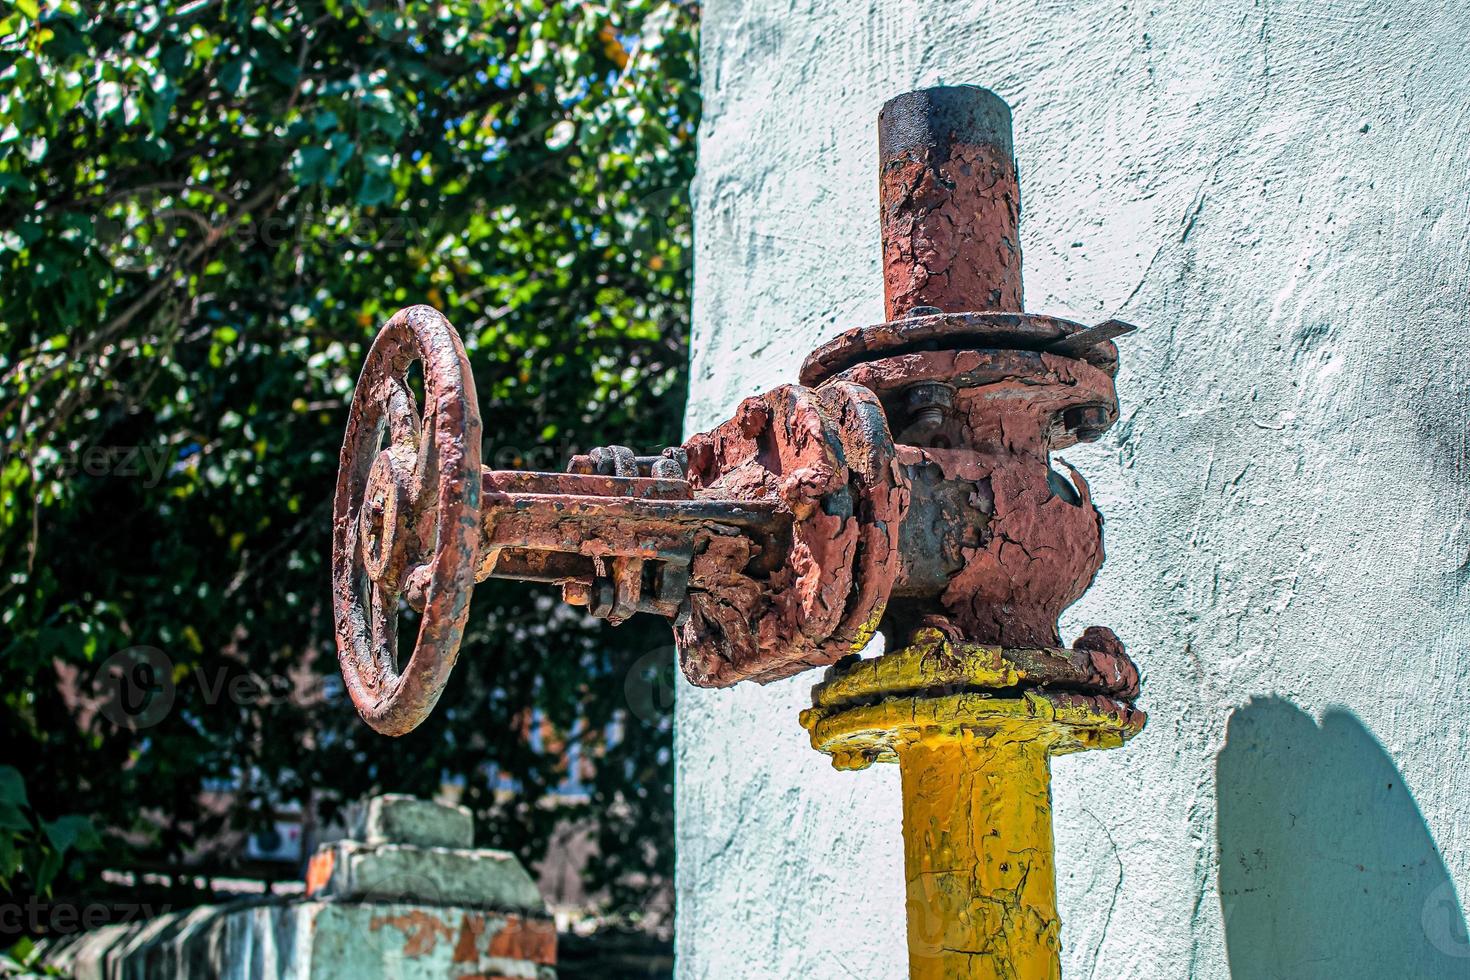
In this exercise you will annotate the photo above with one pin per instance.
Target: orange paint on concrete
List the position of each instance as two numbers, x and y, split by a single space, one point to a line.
522 940
319 870
467 948
422 930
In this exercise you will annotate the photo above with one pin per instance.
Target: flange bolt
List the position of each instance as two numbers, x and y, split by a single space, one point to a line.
929 403
1086 422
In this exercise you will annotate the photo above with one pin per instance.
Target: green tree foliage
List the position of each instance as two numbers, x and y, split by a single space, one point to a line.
207 208
33 847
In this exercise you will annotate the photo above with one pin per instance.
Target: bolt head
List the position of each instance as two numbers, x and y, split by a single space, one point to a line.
929 394
1086 422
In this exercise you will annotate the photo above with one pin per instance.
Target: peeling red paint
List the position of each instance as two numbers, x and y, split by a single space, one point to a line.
950 231
906 483
823 457
988 331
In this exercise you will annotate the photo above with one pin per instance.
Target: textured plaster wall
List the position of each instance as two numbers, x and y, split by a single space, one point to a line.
1279 192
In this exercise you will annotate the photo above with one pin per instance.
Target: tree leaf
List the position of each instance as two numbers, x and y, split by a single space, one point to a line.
72 830
12 786
11 818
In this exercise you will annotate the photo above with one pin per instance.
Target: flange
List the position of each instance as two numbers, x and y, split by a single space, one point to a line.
825 456
864 711
964 331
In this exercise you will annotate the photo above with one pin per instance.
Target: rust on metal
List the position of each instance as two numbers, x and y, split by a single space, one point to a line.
864 710
1080 343
406 508
960 331
905 485
824 459
949 202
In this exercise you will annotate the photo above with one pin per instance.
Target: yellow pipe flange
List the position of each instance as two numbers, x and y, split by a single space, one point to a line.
974 744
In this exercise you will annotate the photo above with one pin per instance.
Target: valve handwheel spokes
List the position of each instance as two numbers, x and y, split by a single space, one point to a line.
406 519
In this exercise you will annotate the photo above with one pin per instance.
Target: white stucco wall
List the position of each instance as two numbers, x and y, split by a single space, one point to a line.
1279 192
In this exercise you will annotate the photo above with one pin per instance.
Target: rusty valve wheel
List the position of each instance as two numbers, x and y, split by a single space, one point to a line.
406 519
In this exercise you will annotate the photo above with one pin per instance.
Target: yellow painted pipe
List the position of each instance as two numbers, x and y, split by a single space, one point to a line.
974 744
977 847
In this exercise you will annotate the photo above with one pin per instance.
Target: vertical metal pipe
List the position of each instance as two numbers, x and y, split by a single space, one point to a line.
977 842
949 202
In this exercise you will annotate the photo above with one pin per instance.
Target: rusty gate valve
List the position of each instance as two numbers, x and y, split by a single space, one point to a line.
787 536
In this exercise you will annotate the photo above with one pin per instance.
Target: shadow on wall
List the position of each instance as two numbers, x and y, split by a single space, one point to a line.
1326 866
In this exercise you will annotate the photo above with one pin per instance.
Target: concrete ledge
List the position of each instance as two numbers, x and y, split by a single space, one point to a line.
299 939
394 818
398 906
480 879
